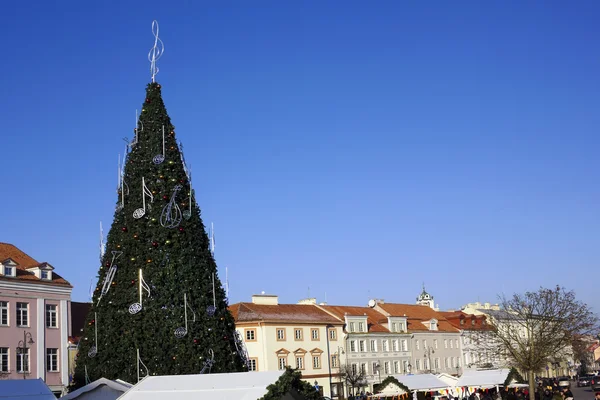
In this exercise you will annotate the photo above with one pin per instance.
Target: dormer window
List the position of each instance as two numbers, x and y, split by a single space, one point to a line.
433 324
472 322
9 271
45 274
351 326
462 321
8 268
361 327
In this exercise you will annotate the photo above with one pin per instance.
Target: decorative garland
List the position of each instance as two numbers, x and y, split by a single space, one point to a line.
391 379
513 375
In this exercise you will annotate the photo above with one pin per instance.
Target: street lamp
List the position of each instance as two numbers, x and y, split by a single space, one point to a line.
23 347
409 367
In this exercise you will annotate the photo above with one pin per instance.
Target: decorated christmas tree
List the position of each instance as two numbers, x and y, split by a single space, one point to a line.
159 307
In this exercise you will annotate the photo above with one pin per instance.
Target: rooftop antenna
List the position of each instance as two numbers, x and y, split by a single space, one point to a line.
308 292
325 297
156 51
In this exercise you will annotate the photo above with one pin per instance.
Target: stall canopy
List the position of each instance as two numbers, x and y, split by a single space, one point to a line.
29 389
232 386
483 378
422 382
101 389
450 380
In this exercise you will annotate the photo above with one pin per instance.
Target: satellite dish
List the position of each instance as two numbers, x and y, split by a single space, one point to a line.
372 303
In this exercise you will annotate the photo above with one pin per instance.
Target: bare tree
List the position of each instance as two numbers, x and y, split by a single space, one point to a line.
353 376
535 328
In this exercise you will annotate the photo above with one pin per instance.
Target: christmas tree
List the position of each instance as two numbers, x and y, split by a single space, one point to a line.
159 307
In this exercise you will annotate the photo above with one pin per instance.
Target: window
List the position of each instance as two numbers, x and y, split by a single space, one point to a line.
375 366
436 362
396 367
435 345
44 274
299 362
472 322
458 361
452 362
3 359
316 362
418 365
395 345
386 367
334 361
405 365
445 344
22 314
462 322
354 369
314 334
51 316
417 344
424 344
426 364
282 363
451 344
445 362
394 327
351 326
456 343
432 326
253 364
363 368
373 345
22 360
280 334
250 335
8 271
298 334
384 345
332 334
361 327
52 360
353 346
361 346
4 313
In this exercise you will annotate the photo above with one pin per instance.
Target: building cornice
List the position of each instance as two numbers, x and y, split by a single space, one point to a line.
34 287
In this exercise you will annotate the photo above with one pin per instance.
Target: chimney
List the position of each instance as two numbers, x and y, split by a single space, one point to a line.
265 299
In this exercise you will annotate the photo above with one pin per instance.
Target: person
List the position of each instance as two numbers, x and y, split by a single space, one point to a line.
567 394
597 396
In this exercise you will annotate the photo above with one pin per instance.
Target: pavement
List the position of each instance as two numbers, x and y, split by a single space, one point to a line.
581 393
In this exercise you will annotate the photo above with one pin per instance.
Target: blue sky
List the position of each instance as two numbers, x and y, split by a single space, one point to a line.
355 148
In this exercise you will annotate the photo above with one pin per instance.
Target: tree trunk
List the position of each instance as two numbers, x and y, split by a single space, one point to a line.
531 385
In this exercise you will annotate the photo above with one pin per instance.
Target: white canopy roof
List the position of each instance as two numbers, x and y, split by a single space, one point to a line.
232 386
483 378
450 380
118 386
30 389
422 382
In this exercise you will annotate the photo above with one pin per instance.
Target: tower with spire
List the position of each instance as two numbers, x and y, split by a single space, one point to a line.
425 299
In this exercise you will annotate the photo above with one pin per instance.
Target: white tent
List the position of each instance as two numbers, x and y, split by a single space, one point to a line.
422 382
450 380
26 389
101 389
232 386
483 378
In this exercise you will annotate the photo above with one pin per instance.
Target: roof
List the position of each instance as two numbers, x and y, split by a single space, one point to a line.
455 317
375 320
417 314
24 261
30 389
298 313
118 385
482 378
422 382
232 386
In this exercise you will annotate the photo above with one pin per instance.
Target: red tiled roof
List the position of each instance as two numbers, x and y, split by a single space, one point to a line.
375 320
24 261
416 315
455 317
300 313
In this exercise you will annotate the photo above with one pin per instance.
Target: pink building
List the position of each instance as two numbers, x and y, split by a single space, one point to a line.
35 307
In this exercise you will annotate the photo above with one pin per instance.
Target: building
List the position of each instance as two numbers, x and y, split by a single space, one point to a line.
375 344
474 331
299 335
34 319
435 344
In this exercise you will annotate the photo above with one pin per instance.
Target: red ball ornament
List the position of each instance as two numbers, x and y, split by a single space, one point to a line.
124 229
147 100
154 244
165 197
180 229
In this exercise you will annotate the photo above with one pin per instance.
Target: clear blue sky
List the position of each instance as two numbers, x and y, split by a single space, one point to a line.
356 148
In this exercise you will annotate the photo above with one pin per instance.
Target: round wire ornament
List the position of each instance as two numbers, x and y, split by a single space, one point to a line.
135 308
93 351
180 332
210 310
158 159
